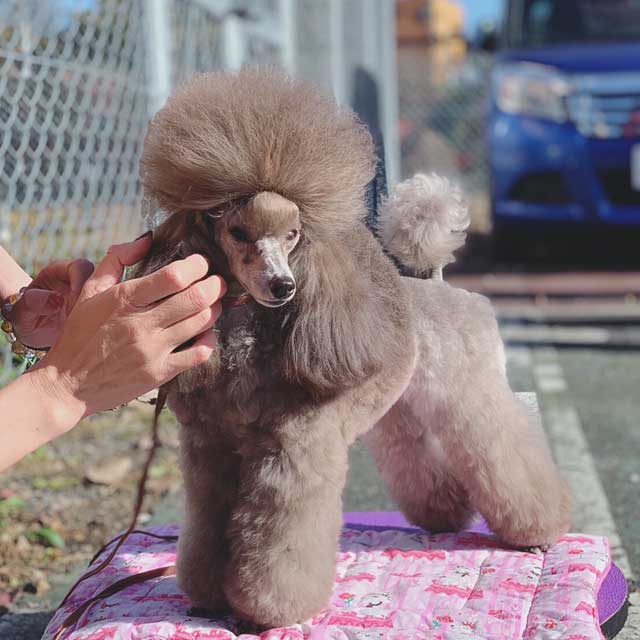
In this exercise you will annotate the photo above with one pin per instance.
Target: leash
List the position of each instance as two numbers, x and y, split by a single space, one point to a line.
74 616
117 586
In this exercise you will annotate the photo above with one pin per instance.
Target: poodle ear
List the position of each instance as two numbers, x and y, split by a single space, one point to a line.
168 246
348 318
173 240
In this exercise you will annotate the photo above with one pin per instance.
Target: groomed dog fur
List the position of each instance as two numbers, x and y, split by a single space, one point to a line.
266 177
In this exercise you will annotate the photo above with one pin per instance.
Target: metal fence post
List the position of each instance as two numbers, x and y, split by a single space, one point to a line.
26 10
336 39
233 42
158 36
287 11
389 87
370 38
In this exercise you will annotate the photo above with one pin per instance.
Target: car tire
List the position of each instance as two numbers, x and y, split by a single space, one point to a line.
506 242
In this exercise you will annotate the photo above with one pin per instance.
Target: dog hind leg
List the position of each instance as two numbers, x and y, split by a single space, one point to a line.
498 455
505 464
416 471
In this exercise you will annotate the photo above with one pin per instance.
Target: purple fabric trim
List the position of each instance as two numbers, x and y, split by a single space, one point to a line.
611 596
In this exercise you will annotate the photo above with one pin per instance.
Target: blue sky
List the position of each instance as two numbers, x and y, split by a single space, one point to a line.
54 14
478 10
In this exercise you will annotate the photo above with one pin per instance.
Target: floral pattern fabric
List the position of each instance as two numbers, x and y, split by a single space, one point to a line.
390 584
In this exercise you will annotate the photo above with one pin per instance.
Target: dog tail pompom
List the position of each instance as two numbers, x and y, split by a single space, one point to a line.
422 222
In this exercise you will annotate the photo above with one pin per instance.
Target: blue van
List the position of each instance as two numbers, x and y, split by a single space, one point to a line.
564 133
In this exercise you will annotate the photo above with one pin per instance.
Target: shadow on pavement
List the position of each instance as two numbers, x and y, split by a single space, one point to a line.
544 251
24 626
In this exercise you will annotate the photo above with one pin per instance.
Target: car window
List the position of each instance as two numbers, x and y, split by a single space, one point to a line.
546 22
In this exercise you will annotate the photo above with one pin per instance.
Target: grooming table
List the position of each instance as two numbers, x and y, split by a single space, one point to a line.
392 581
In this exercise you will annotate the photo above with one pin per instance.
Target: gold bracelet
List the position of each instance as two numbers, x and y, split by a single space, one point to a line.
29 354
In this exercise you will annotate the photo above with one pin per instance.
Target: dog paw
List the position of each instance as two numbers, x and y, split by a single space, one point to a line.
203 612
277 603
249 628
538 526
537 549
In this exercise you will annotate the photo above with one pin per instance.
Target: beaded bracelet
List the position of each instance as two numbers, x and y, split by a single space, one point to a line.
28 354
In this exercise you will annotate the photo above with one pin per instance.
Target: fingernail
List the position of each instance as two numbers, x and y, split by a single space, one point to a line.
144 235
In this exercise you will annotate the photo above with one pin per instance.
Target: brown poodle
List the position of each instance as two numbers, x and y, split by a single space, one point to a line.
323 342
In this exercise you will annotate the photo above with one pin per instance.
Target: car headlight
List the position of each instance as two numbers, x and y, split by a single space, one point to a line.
532 90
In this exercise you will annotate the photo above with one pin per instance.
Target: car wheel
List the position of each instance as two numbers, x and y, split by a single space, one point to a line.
506 242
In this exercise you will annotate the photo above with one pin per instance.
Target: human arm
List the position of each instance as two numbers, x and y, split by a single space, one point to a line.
30 419
12 276
118 342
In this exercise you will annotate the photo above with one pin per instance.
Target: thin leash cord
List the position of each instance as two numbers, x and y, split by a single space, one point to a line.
155 444
116 587
142 532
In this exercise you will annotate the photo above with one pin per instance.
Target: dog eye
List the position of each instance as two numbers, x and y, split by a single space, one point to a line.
238 234
292 235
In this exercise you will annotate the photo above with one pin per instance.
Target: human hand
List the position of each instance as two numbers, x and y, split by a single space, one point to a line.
120 339
39 315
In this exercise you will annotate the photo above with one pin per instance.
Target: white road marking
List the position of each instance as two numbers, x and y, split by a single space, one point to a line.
592 513
545 334
519 356
549 377
551 385
548 369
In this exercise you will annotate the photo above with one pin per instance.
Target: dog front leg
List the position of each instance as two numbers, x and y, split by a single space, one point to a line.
211 483
284 532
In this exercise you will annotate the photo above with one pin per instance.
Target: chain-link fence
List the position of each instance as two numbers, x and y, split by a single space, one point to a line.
73 110
443 118
196 40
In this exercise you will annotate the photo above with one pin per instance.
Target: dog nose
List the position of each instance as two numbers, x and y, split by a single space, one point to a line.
282 287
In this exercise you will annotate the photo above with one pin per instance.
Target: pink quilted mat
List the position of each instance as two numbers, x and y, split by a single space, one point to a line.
391 584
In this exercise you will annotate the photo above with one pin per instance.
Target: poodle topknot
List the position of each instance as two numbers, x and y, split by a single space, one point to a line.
215 142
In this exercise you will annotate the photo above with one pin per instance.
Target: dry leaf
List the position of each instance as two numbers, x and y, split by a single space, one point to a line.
109 472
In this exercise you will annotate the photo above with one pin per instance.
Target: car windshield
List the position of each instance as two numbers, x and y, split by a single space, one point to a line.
535 23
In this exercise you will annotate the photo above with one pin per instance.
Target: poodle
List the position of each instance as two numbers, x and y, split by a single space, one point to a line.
321 342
